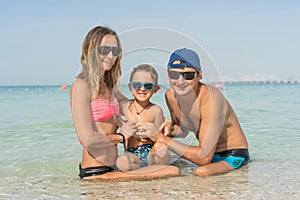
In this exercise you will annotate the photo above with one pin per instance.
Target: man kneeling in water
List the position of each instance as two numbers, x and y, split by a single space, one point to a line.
201 109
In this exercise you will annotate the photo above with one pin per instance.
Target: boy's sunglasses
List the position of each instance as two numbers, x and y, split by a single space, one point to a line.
104 50
139 85
185 75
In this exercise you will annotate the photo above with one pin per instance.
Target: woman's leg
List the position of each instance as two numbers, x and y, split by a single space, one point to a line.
144 173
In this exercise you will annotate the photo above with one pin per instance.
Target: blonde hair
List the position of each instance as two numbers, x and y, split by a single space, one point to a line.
145 68
91 62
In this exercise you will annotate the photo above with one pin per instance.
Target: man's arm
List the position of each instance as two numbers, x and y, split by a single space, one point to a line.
213 111
188 152
174 128
213 115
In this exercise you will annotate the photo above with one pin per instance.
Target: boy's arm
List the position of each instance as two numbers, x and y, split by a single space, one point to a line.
125 122
157 116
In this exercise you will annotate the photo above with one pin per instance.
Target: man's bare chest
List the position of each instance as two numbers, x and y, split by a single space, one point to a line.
188 116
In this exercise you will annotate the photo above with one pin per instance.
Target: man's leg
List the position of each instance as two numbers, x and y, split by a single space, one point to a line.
213 168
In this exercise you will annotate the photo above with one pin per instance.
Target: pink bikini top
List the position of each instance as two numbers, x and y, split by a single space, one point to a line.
103 109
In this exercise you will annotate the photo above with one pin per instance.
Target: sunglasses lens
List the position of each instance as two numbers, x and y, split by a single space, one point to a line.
116 51
139 85
188 75
104 50
148 86
173 74
136 85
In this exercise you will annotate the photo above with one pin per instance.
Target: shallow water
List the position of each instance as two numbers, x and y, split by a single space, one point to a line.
40 152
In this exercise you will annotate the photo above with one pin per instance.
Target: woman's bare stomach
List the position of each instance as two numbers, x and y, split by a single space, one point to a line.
107 159
103 156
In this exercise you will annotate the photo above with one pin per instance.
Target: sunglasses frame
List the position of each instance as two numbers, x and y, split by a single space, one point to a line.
105 50
184 75
142 84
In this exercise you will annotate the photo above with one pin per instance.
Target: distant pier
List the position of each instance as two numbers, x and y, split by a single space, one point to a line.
254 82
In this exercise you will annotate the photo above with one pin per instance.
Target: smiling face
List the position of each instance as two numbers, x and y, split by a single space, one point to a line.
181 85
109 59
142 95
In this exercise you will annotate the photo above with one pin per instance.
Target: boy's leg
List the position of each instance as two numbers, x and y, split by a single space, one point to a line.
127 162
159 155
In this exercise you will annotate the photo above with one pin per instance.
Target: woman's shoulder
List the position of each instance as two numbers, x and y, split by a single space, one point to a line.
80 85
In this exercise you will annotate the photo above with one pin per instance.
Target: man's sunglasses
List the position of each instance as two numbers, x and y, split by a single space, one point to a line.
104 50
139 85
185 75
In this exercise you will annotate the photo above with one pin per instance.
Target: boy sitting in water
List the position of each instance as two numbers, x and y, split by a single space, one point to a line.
140 150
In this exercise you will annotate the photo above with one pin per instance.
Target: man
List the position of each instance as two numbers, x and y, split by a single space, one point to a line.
201 109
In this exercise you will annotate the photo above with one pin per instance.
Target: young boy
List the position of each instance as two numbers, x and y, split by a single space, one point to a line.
141 151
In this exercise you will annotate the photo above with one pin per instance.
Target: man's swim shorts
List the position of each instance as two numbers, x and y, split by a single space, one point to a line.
235 157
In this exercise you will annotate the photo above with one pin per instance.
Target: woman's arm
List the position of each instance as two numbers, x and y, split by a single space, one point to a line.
80 106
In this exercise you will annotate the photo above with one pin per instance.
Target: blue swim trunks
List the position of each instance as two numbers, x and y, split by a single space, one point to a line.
235 157
141 152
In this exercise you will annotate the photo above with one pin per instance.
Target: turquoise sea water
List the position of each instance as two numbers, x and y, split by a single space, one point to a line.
40 152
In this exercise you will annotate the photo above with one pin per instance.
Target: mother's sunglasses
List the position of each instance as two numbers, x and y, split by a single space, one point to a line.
104 50
139 85
185 75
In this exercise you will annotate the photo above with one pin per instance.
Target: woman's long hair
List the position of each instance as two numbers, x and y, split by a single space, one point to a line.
91 62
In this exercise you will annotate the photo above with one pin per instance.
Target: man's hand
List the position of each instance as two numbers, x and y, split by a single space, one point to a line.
167 125
147 129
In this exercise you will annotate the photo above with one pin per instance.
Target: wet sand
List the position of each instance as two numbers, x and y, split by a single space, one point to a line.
245 183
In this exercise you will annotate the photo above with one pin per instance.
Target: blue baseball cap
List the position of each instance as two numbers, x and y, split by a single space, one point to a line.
188 56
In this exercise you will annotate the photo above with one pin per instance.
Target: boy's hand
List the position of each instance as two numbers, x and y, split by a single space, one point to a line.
128 129
147 129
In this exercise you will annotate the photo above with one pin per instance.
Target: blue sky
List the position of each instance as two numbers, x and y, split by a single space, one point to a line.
41 40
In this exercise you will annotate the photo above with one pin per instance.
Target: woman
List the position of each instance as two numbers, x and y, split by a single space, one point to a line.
94 103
